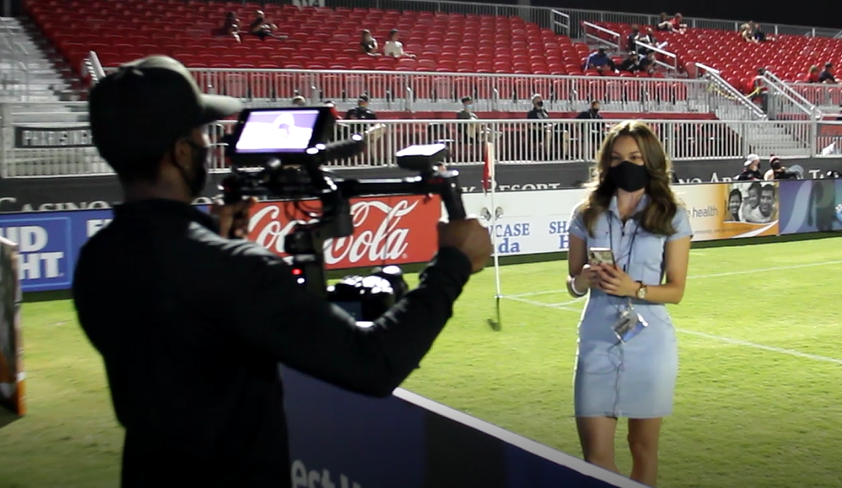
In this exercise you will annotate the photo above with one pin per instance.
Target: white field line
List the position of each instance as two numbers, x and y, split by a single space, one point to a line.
727 340
717 275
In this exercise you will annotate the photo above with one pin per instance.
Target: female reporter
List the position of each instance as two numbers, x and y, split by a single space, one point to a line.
627 359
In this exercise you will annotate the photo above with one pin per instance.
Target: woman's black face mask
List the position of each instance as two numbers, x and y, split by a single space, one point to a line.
628 176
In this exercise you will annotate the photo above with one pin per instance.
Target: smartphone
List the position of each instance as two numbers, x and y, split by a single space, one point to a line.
601 255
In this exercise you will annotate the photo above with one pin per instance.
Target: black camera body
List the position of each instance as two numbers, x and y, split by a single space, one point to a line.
278 154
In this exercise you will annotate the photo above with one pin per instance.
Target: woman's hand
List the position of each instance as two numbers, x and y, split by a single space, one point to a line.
614 281
587 278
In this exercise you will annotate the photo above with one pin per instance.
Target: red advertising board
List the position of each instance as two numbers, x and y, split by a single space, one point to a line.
387 230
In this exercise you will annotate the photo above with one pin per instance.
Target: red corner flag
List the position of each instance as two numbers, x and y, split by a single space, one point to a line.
488 167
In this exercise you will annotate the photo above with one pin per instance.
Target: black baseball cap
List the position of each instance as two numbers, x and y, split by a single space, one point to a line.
139 111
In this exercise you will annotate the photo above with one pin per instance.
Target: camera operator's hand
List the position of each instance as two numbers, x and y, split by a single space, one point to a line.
470 237
233 218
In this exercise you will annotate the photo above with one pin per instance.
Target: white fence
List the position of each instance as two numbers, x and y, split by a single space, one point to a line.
63 147
420 91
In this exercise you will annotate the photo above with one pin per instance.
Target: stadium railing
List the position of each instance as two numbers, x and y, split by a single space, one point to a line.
64 147
420 91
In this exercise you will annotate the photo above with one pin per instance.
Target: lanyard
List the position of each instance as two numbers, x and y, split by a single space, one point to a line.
611 239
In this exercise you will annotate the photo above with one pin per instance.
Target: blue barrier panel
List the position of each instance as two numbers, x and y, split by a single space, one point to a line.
50 243
345 440
810 206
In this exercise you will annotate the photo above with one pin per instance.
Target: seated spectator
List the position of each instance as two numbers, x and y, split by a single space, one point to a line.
538 111
469 132
812 75
647 39
826 76
361 111
758 33
591 113
648 63
394 47
751 169
632 63
231 27
746 33
778 171
600 61
678 24
664 23
368 44
261 28
299 101
632 37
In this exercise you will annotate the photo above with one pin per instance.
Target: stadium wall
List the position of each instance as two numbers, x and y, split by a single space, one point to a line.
103 191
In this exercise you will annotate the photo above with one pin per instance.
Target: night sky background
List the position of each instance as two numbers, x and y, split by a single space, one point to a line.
810 12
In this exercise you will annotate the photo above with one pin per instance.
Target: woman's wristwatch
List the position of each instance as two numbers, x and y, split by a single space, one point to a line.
641 291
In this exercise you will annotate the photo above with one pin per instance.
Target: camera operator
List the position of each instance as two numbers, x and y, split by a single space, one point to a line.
191 325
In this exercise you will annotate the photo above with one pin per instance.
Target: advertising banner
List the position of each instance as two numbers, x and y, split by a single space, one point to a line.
387 230
49 243
810 206
347 440
12 378
731 210
49 137
528 222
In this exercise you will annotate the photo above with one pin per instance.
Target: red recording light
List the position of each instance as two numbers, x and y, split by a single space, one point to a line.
296 271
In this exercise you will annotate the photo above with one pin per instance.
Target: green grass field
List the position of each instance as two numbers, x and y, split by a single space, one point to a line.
758 400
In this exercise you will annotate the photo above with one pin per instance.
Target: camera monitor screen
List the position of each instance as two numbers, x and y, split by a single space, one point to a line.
278 131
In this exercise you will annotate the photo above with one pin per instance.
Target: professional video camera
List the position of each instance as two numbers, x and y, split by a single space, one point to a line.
278 153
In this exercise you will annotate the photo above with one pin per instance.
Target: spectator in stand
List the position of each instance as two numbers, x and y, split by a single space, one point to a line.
812 75
368 44
594 128
631 63
600 61
648 64
261 28
632 37
758 33
759 90
468 131
394 47
778 171
678 24
299 101
664 23
751 169
361 111
746 33
647 39
826 76
231 27
538 112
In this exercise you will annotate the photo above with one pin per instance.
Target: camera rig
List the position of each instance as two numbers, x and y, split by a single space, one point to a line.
273 164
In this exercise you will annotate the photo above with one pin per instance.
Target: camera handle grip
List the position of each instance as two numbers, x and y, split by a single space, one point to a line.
454 206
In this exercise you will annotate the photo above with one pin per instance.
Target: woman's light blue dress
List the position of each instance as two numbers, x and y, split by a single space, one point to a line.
635 379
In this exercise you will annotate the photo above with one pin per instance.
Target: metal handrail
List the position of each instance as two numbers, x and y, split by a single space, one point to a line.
611 33
714 75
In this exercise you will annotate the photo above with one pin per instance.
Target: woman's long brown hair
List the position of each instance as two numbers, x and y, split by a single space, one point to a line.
660 210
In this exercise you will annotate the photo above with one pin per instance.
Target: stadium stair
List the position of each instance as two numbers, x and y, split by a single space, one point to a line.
46 82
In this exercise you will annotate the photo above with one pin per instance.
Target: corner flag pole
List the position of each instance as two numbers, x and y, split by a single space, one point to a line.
490 180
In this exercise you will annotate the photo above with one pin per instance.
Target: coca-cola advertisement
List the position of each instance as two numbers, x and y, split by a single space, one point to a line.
387 230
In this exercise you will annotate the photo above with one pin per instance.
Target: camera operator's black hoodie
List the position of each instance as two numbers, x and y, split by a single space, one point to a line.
192 326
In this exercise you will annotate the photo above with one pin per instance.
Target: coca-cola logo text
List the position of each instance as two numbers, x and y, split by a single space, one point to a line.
386 230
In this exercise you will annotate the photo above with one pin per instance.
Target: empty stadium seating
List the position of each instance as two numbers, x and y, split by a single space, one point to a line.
319 38
788 56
